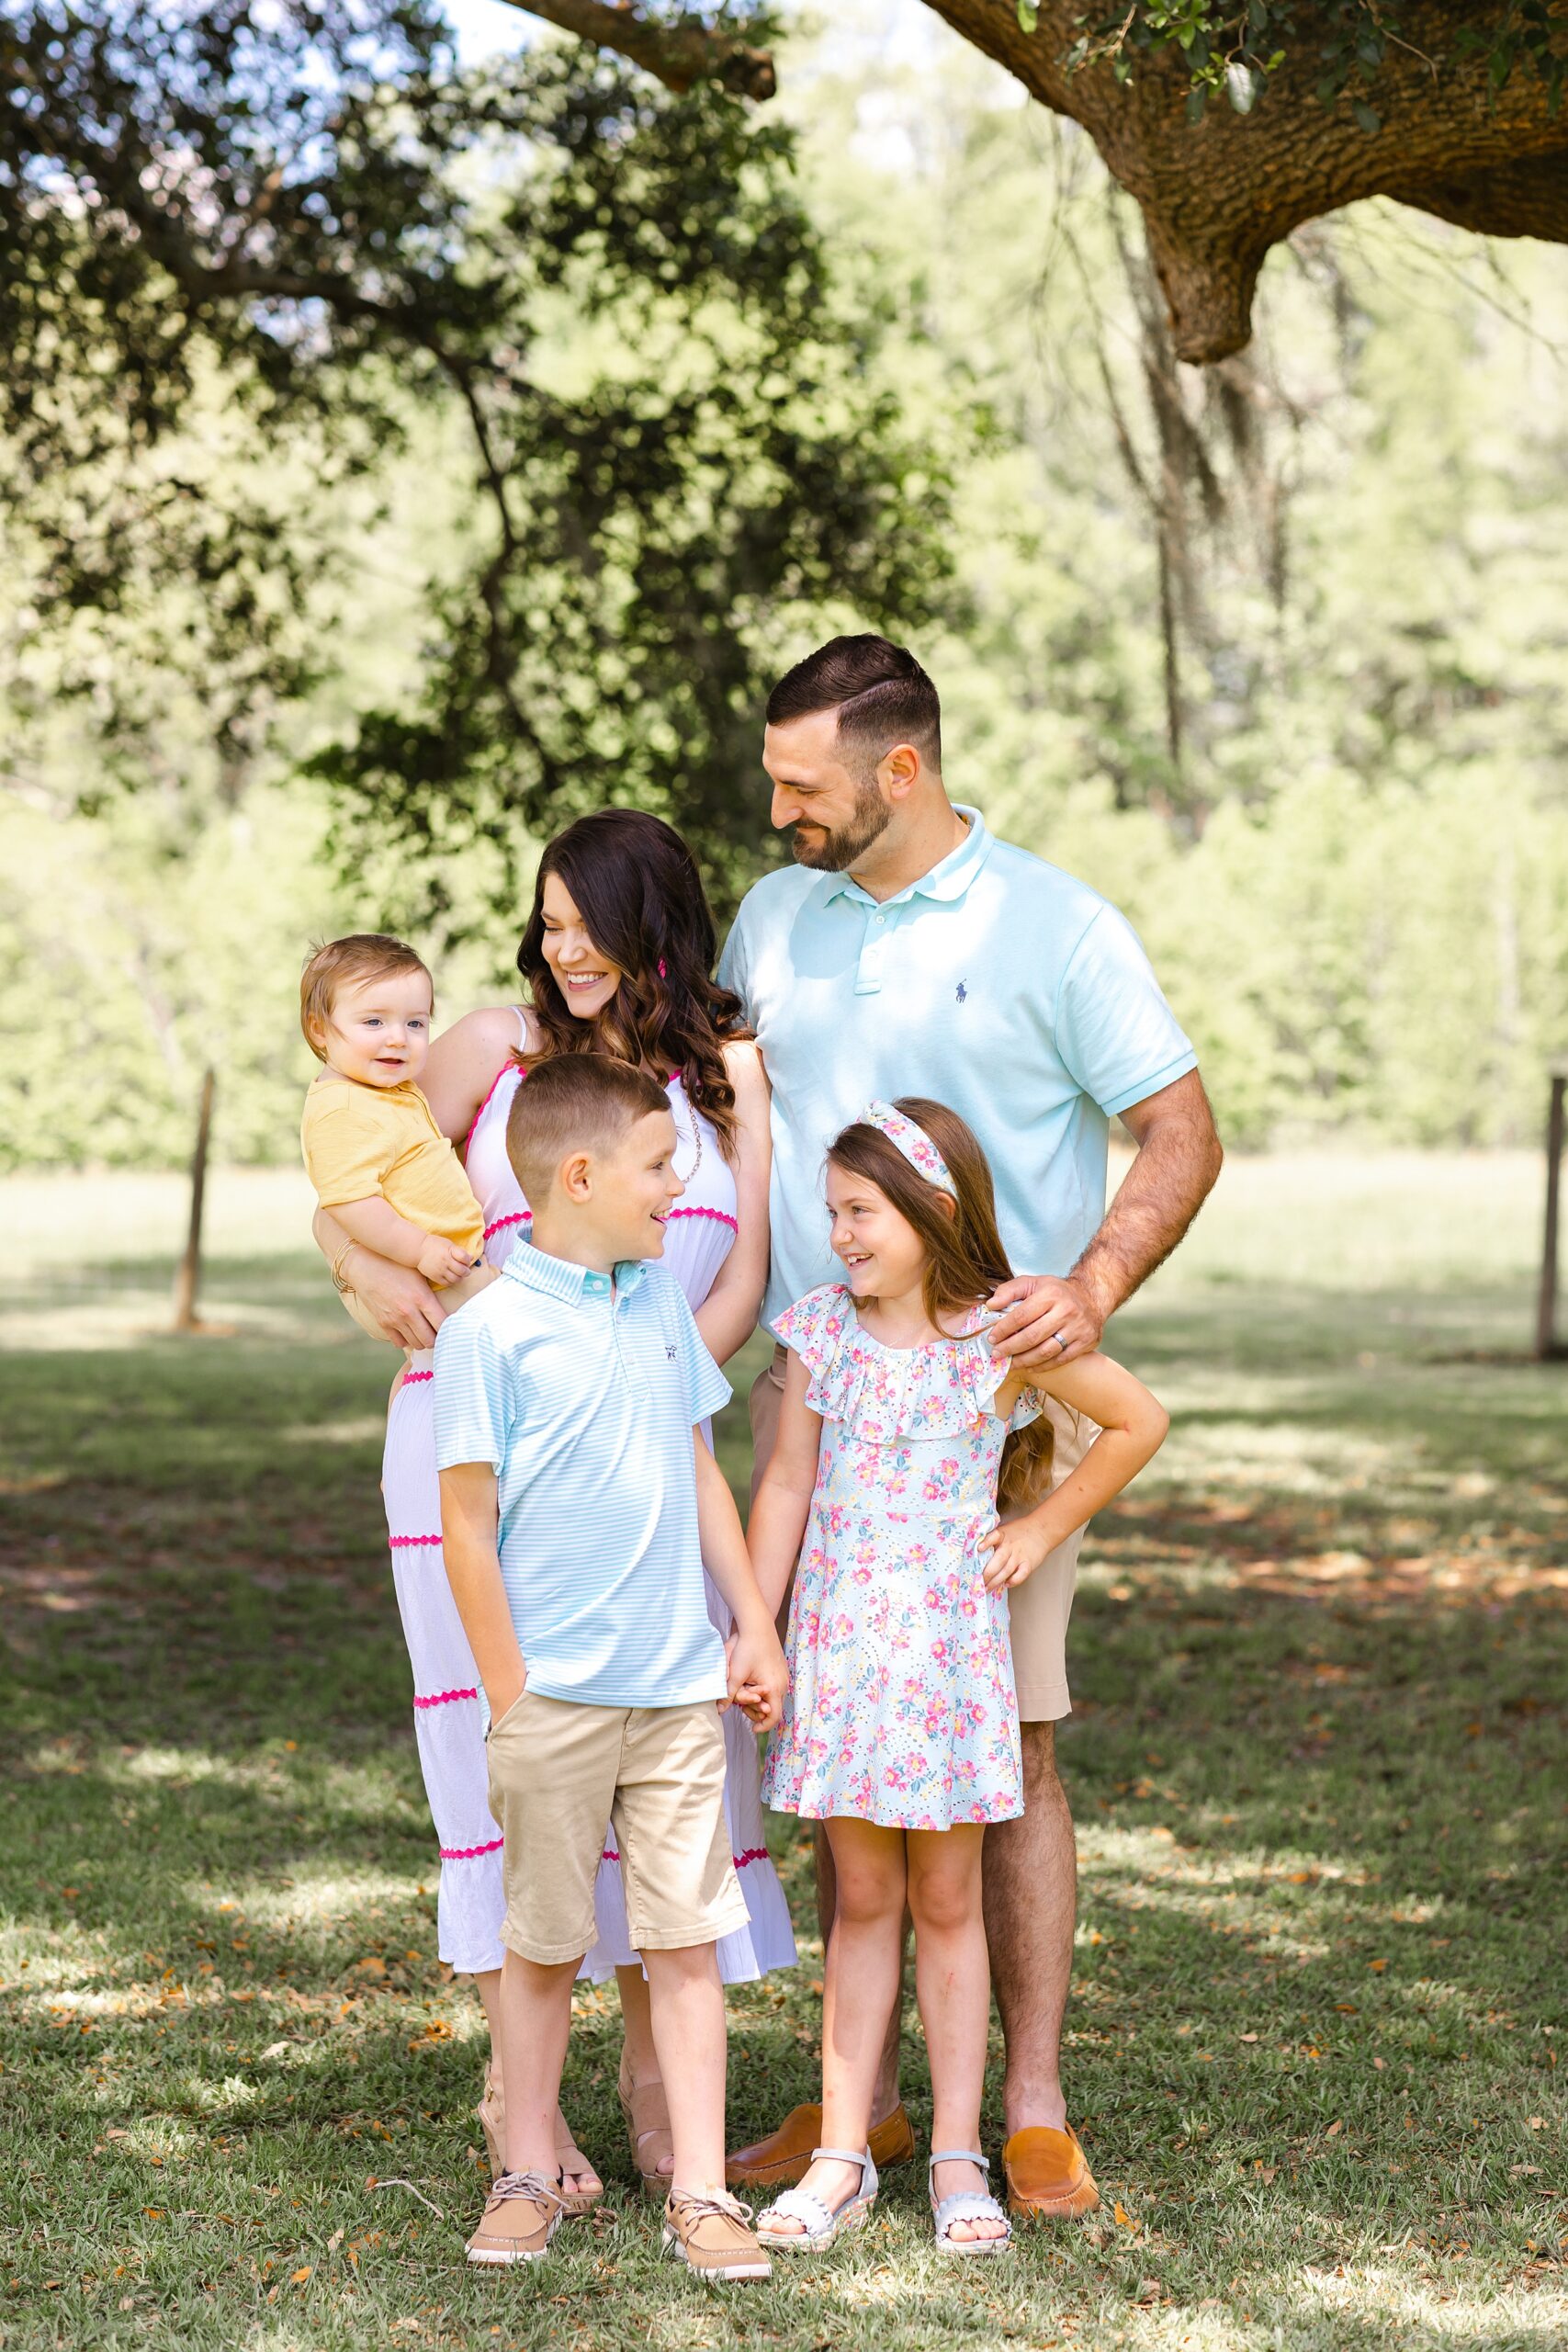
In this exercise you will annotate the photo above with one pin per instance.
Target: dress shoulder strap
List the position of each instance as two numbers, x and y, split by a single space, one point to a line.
522 1029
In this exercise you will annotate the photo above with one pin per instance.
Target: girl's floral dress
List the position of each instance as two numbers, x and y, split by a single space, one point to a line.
901 1707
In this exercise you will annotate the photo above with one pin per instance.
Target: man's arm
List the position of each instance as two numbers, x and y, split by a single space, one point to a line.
1050 1321
469 1522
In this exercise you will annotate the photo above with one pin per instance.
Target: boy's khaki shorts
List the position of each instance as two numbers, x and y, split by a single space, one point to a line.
558 1771
1037 1611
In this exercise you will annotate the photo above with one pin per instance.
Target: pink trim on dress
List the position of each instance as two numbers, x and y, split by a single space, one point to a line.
410 1377
718 1217
484 1106
518 1216
406 1543
444 1698
752 1854
470 1853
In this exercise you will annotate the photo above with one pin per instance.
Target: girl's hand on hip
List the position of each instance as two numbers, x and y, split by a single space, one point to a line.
1016 1549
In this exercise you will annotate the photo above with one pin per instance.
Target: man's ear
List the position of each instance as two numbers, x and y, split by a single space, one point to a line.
575 1176
899 772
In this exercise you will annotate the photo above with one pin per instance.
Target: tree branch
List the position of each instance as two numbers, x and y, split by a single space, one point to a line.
675 53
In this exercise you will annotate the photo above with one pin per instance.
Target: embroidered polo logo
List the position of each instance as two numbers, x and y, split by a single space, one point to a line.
669 1352
962 993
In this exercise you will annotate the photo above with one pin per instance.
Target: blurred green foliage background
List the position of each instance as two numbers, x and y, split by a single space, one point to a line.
1272 653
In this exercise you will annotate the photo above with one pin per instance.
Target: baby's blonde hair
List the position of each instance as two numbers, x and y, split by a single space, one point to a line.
368 955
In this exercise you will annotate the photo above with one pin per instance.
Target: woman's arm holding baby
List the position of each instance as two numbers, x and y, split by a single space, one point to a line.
469 1528
757 1674
1133 1424
395 1301
784 1497
377 1226
728 1316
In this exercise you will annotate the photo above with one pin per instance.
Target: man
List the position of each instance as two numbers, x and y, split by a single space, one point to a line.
911 953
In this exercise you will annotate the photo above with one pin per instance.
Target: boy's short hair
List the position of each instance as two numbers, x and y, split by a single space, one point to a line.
368 955
574 1103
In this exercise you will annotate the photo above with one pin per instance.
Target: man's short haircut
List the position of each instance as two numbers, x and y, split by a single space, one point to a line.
879 690
574 1103
368 955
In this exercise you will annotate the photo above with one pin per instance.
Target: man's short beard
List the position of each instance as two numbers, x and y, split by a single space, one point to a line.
840 845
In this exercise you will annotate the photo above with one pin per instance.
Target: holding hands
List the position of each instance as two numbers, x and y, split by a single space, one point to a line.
758 1677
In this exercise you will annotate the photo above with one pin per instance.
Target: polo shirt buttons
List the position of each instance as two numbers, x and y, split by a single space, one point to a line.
595 1285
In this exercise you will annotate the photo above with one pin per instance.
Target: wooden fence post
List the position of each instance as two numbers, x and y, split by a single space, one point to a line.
1546 1341
189 1279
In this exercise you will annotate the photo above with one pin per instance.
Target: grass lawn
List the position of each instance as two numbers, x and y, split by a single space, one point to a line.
1316 1764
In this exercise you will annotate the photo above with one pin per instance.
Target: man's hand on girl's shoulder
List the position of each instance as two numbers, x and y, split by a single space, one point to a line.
1042 1322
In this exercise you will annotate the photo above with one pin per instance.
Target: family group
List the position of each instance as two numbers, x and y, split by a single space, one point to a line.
895 1090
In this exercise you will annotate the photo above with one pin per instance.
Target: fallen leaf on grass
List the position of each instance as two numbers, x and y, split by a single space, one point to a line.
334 2240
298 2277
1123 2218
1150 2290
1337 2126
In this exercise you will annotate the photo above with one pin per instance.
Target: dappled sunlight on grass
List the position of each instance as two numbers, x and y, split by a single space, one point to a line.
1315 1759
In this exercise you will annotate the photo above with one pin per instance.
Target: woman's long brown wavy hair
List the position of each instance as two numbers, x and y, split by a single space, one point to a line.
964 1258
636 887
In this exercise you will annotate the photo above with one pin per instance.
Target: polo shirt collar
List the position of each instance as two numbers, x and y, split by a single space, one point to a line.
558 1278
947 880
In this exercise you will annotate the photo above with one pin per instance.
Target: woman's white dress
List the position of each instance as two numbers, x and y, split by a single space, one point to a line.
449 1715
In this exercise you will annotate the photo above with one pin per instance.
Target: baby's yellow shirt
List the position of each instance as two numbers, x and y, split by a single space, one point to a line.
361 1140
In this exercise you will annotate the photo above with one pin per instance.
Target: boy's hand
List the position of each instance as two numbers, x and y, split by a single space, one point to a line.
443 1262
758 1676
506 1693
1016 1549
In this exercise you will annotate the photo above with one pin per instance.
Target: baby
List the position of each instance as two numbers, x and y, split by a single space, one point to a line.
372 1147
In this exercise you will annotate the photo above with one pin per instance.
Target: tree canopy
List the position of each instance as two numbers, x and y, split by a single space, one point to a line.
1453 110
314 205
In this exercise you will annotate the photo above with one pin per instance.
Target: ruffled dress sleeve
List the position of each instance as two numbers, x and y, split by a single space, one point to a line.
978 1375
817 1329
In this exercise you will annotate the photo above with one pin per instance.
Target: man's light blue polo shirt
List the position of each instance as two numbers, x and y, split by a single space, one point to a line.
996 984
581 1393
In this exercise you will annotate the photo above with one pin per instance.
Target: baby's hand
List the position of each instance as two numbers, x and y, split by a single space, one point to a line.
442 1262
1016 1549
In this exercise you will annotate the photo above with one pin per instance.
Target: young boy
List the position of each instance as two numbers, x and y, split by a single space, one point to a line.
372 1147
579 1503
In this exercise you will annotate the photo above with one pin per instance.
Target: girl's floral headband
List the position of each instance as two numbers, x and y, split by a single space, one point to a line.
912 1141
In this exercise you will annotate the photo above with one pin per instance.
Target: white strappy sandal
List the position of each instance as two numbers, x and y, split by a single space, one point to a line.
820 2223
966 2205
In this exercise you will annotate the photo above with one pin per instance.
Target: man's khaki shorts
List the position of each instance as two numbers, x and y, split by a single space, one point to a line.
1037 1611
558 1771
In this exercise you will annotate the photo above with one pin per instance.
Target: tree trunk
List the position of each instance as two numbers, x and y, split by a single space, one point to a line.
1218 194
189 1279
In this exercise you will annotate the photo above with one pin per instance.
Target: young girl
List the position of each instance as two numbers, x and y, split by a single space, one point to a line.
900 1430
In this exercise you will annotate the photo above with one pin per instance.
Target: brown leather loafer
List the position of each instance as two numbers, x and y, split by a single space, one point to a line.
1047 2174
780 2160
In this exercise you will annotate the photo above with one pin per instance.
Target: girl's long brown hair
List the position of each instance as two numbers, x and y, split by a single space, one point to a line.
636 887
964 1258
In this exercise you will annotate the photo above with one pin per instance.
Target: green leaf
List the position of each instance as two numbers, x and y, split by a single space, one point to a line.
1028 16
1365 118
1196 102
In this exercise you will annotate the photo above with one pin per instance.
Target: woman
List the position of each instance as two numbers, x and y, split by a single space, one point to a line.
617 956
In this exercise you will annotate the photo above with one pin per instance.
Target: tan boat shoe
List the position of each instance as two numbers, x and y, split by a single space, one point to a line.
712 2235
1048 2178
520 2219
782 2159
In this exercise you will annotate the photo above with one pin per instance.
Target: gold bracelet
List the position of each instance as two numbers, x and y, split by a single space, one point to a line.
338 1282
